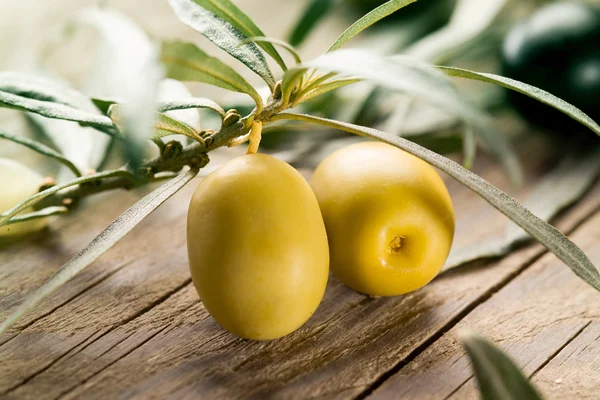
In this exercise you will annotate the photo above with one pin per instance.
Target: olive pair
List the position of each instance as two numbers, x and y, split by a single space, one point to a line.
261 240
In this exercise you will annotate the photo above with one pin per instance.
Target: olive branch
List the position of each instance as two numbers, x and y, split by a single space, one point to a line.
179 161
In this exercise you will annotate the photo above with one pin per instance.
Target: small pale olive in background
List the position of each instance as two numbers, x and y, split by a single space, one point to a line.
389 218
558 50
257 247
17 183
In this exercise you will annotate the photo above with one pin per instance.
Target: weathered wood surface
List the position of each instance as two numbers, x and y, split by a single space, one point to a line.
131 325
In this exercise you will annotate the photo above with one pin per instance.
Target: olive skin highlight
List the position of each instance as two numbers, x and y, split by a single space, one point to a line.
17 183
558 50
389 218
257 247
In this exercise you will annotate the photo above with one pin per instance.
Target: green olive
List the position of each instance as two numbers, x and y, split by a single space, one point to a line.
257 247
556 49
17 183
389 218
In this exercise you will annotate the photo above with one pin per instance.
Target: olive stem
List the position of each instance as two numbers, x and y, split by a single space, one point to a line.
255 137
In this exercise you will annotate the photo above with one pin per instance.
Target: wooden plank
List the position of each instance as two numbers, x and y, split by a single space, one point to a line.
349 344
146 311
575 372
532 318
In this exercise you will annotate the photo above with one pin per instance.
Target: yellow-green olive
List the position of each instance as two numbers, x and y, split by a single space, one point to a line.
257 247
388 215
17 183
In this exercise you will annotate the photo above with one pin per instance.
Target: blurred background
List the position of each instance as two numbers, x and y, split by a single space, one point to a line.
464 33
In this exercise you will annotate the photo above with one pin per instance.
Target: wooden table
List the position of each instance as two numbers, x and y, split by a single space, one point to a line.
131 325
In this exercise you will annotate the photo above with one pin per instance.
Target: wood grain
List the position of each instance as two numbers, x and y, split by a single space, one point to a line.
132 326
532 318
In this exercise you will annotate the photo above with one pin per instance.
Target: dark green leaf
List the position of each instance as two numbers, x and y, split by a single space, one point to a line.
545 233
531 91
186 62
498 377
311 16
232 14
104 104
377 14
42 149
102 243
224 35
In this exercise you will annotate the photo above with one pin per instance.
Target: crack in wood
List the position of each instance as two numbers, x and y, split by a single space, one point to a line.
453 322
141 312
557 352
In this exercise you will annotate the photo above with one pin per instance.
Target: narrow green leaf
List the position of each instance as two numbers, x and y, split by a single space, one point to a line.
36 198
232 14
327 87
560 188
186 62
421 80
545 233
46 212
42 149
281 43
498 377
194 102
84 147
103 104
531 91
312 14
163 125
102 243
224 35
377 14
58 111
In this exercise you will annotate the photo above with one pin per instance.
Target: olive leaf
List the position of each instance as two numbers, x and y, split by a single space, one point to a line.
311 16
559 189
462 28
545 233
224 35
46 212
83 146
327 86
498 377
531 91
228 11
372 17
416 79
186 62
36 198
41 149
104 241
58 111
192 102
264 39
163 125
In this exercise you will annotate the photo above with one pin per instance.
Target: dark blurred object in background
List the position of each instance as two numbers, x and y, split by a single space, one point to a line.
556 49
436 13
